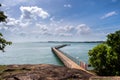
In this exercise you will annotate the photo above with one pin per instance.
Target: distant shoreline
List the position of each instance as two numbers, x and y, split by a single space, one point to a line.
62 42
76 41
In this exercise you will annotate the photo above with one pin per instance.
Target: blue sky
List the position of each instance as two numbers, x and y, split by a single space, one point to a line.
60 20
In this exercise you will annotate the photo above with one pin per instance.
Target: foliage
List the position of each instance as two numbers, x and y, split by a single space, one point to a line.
3 42
105 57
114 41
2 17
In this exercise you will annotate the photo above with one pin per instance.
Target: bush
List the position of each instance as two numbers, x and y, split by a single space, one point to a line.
105 57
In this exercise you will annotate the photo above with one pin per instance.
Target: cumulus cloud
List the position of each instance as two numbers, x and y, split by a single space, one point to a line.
67 5
83 29
70 30
39 28
33 12
15 25
113 13
25 26
64 29
10 25
42 27
12 22
30 29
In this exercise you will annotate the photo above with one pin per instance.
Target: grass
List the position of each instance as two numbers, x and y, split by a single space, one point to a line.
2 68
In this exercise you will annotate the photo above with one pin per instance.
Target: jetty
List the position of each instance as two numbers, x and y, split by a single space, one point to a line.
67 61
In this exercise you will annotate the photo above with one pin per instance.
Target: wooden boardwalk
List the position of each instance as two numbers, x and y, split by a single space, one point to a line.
68 62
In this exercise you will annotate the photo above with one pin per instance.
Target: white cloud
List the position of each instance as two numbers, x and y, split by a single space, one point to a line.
70 30
109 14
12 21
83 29
33 12
60 29
42 27
16 25
64 29
24 24
3 28
114 0
13 2
42 30
30 29
11 25
26 28
67 5
65 34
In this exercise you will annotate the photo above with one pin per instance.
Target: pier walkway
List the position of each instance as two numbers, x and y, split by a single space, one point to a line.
66 60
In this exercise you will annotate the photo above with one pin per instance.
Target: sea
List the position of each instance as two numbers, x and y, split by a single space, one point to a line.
40 52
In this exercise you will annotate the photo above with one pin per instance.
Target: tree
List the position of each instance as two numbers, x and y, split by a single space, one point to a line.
3 42
105 57
114 42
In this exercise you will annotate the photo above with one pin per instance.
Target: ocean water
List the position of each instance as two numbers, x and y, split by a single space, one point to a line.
40 52
79 51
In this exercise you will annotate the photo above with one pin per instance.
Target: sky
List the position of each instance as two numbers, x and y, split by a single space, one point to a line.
59 20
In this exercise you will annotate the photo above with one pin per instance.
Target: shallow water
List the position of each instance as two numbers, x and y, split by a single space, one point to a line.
40 52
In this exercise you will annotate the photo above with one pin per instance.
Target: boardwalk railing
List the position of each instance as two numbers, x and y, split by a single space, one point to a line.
68 60
71 57
80 63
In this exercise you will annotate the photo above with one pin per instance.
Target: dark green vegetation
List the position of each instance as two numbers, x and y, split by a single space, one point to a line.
3 42
105 57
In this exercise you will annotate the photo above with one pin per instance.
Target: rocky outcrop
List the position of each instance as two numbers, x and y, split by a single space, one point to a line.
42 72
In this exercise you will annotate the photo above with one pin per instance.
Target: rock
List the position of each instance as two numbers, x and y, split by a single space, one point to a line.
42 72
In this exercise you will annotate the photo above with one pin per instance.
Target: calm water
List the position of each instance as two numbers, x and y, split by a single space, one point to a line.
79 50
37 53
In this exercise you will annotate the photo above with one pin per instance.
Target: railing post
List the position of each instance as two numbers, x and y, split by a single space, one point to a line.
86 66
83 65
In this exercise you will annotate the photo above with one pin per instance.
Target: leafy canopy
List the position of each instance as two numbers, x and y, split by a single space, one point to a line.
3 42
105 57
